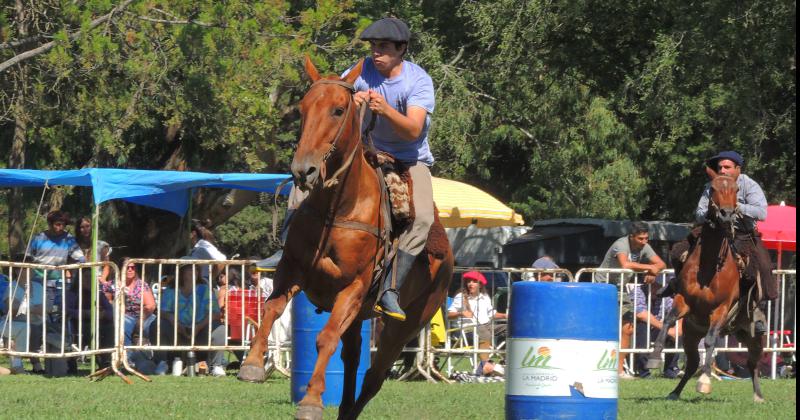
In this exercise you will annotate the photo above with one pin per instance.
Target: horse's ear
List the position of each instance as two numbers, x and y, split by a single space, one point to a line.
710 172
311 70
354 72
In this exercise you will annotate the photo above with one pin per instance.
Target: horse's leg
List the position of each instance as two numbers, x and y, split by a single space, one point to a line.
252 369
679 310
345 310
393 338
351 353
754 351
718 318
691 339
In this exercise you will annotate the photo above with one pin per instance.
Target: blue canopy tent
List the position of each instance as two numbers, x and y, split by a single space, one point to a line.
166 190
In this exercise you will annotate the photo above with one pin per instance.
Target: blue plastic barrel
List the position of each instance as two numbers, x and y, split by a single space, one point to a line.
306 325
563 350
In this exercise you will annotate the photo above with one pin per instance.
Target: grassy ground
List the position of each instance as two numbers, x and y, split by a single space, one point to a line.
33 396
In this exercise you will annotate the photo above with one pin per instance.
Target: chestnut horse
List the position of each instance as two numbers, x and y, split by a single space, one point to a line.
708 289
333 245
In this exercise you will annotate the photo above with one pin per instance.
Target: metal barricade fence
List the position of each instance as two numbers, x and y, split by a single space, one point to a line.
45 312
633 306
460 340
40 317
190 315
781 338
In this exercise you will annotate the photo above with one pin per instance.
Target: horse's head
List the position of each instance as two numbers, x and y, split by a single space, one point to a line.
330 123
723 204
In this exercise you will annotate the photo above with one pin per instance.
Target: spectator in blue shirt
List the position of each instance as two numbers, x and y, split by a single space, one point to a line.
649 308
193 312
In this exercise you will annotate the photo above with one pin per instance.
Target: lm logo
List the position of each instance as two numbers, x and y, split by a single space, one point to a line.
539 359
608 361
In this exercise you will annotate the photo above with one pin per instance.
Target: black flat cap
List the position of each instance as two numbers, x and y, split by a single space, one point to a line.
390 29
726 155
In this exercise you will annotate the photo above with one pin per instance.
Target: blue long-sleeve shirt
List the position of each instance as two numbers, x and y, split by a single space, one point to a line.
752 203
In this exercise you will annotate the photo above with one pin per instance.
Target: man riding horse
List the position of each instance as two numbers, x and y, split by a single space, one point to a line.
400 95
752 206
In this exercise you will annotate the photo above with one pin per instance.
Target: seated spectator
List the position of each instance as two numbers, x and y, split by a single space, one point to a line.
140 306
227 281
78 301
642 296
543 263
187 311
474 306
21 319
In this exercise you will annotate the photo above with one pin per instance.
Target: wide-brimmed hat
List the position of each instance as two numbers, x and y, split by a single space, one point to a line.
390 29
474 275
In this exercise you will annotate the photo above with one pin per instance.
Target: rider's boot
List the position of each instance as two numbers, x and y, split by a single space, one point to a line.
760 318
389 302
273 260
669 289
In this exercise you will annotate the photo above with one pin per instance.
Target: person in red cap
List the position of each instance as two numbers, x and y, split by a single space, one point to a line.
752 207
474 308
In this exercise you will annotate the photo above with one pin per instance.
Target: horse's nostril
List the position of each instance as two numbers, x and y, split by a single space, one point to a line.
311 170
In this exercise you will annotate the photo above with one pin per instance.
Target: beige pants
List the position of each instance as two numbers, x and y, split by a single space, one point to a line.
413 239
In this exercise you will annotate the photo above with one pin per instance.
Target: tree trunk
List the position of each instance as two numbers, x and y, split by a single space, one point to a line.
16 158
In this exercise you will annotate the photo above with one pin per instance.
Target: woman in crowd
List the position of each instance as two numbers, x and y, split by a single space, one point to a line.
474 306
103 252
140 306
228 280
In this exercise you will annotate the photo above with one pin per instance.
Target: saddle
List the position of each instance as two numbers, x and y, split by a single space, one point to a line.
397 211
398 186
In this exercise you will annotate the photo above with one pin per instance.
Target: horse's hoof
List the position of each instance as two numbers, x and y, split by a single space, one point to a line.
673 396
308 412
254 374
758 399
654 363
703 387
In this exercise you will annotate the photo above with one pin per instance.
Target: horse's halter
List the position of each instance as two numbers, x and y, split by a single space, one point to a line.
333 180
722 216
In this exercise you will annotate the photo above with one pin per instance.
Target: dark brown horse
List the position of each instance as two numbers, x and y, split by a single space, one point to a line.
708 289
332 247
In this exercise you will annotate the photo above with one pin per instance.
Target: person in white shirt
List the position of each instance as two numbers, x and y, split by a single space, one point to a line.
203 248
474 306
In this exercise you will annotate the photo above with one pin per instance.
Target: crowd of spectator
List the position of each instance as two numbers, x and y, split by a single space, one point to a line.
186 311
189 306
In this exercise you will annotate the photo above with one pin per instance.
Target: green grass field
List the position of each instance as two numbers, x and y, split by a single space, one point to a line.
33 396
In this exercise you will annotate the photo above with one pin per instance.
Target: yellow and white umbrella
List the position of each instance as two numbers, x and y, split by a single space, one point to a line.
461 205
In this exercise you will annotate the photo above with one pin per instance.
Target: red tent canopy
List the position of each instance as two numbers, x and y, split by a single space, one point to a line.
779 231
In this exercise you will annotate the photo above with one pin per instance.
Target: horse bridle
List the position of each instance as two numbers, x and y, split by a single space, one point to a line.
333 180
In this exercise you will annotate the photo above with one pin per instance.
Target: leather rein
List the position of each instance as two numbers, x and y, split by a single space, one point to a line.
330 220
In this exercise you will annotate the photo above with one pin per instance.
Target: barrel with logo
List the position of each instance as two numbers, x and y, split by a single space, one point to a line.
306 325
562 353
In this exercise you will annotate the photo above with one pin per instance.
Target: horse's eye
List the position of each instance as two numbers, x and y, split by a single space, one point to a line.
338 111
